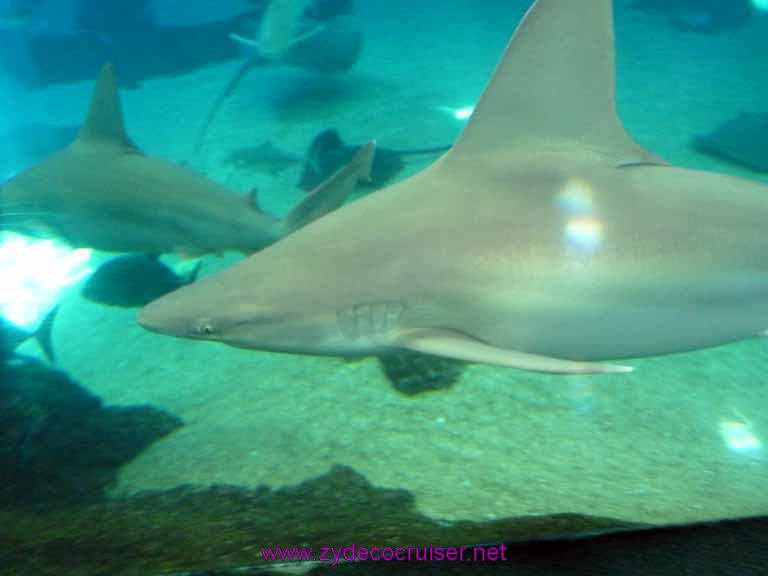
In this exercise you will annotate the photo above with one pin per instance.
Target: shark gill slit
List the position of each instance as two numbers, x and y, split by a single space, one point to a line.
369 320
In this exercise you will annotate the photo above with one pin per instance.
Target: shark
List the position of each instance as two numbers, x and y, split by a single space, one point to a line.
102 192
546 239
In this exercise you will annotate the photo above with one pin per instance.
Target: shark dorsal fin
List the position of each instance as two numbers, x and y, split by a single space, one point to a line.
555 84
104 122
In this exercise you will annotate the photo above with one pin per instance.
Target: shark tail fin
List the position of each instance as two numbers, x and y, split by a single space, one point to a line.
104 122
44 333
333 191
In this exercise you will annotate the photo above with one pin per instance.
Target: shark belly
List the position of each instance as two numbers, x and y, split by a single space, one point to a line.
608 324
656 285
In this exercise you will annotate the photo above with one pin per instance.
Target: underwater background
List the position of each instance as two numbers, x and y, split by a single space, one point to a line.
682 439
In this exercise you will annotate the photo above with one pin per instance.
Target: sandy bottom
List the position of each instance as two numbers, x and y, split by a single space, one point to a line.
650 446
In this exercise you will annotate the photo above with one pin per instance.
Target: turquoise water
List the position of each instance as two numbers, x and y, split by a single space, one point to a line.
682 439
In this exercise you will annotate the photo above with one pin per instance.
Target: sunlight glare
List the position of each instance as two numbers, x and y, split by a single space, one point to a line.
34 273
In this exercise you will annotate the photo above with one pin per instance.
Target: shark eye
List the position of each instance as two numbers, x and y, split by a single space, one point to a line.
204 328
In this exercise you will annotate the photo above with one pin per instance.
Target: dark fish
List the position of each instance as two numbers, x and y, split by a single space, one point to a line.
11 337
132 281
743 140
328 153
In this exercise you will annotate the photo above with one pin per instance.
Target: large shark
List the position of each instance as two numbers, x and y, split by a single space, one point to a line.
101 191
545 240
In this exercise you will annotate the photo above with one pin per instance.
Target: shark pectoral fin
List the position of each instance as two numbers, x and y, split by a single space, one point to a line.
333 191
451 344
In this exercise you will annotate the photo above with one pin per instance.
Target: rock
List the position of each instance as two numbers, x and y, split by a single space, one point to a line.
59 442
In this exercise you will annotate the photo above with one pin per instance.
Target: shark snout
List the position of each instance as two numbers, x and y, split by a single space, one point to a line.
157 317
181 313
165 316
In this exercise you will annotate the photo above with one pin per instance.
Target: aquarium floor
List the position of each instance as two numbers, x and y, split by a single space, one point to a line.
647 446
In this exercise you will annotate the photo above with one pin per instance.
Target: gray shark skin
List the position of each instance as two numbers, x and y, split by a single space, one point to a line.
545 240
102 192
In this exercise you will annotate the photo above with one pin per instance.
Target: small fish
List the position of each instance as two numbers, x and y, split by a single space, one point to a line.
11 337
326 154
265 157
134 280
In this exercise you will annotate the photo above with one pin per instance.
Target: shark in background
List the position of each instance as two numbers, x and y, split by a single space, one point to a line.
102 192
546 239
